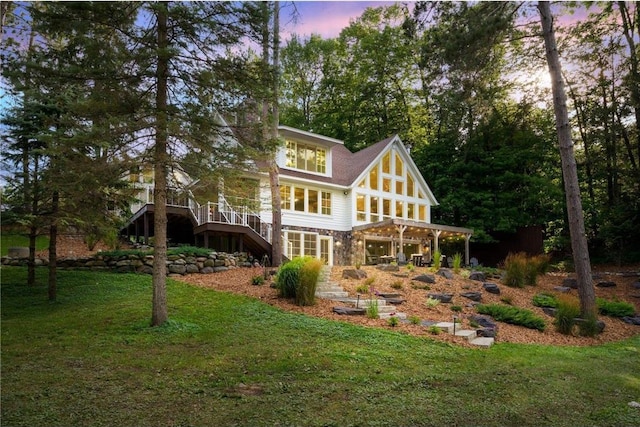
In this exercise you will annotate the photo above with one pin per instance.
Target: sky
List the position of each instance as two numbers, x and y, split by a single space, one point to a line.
326 18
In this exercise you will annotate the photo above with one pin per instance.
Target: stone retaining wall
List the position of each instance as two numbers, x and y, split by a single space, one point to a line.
139 263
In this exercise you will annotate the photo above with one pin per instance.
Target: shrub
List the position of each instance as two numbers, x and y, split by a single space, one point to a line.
545 300
415 285
306 289
368 282
436 259
432 302
257 280
372 309
457 262
397 284
567 309
536 265
358 265
189 250
289 276
456 308
614 308
393 321
514 268
512 315
410 266
435 330
414 320
589 327
362 289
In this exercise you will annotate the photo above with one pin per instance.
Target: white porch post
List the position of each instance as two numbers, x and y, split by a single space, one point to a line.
401 229
436 234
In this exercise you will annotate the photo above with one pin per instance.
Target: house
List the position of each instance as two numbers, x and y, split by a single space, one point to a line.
342 207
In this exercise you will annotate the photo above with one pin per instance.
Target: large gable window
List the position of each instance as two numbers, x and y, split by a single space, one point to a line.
306 157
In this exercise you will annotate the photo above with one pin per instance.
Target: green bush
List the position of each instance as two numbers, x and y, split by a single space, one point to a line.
257 280
414 320
512 315
372 309
545 300
397 284
614 308
457 262
393 321
456 308
362 289
535 266
289 276
189 250
567 309
306 289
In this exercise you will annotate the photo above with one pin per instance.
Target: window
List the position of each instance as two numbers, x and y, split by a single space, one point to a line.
312 201
326 203
422 212
362 184
285 196
420 195
399 209
373 178
310 245
361 213
410 187
306 157
386 163
293 245
386 185
411 208
298 199
386 208
325 246
399 187
373 208
399 165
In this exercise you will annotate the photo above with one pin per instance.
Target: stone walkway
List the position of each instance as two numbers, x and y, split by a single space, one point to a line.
334 292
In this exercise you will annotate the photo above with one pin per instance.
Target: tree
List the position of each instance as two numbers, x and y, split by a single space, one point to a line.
579 246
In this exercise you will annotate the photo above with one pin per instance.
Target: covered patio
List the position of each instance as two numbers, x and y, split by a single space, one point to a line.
395 234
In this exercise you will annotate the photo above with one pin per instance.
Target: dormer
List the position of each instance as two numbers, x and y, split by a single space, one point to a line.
306 152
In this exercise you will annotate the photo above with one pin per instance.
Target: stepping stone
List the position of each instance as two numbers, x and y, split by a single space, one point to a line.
466 333
483 342
388 296
425 278
445 326
492 288
444 298
606 284
394 301
427 323
473 296
350 311
478 275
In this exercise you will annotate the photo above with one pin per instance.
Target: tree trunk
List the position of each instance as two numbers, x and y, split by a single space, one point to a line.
579 247
52 288
159 306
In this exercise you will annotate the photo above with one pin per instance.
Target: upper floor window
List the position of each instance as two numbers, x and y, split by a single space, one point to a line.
306 157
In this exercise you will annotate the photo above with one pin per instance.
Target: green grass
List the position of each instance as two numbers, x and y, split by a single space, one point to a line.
8 240
90 359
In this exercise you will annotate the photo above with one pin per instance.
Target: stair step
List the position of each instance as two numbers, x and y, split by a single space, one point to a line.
338 295
445 326
328 288
396 314
467 333
483 342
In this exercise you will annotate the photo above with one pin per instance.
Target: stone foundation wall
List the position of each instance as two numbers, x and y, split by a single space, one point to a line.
139 263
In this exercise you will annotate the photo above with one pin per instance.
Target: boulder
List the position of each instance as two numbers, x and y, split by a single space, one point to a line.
632 320
388 267
192 268
478 275
473 296
549 311
207 270
606 284
563 289
600 324
445 272
425 278
177 269
353 274
220 268
444 298
492 288
570 282
484 321
635 285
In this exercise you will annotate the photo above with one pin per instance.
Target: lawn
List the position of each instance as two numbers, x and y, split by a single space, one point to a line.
8 240
228 360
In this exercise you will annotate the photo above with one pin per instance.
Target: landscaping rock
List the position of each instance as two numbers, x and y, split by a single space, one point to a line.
388 267
484 321
192 268
549 311
632 320
492 288
394 301
487 332
473 296
219 269
177 269
425 278
478 275
353 274
570 282
606 284
563 289
600 324
350 311
445 272
444 298
388 295
635 285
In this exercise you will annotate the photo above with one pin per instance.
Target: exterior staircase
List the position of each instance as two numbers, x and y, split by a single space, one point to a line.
332 291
